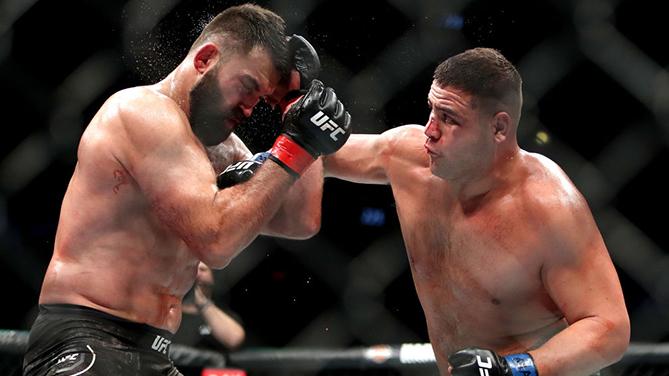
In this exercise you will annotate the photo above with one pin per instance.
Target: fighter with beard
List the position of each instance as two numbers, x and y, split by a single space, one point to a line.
142 208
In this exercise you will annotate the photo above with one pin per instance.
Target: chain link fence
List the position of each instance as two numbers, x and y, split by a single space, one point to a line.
596 101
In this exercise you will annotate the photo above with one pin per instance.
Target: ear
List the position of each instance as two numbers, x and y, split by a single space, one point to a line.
501 124
206 56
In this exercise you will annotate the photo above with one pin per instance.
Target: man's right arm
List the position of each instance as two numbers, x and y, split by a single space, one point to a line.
174 173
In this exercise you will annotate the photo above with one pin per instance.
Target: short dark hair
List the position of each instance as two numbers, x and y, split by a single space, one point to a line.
484 73
246 26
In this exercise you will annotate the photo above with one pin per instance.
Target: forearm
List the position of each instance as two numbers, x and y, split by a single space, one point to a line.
240 212
583 348
299 216
224 328
363 159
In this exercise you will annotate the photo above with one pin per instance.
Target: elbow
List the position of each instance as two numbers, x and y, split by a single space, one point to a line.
298 228
307 229
213 253
216 262
217 246
232 335
237 339
622 338
615 339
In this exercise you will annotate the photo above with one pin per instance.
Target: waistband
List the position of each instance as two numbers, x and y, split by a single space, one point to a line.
81 319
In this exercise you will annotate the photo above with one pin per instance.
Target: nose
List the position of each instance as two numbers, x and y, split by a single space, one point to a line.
247 106
431 129
246 110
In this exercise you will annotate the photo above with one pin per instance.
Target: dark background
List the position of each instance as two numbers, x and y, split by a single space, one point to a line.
596 101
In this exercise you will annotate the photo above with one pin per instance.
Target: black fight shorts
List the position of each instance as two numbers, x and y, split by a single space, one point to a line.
71 340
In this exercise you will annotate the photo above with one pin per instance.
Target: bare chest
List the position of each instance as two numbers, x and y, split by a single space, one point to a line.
478 276
490 260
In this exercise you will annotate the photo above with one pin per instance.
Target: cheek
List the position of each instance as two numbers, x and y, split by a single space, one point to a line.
229 98
482 153
453 138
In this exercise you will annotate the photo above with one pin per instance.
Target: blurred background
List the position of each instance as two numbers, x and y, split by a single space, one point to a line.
596 101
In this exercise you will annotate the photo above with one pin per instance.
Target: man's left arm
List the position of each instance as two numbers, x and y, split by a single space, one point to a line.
581 279
299 216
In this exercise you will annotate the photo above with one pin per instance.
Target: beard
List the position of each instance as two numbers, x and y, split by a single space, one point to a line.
207 120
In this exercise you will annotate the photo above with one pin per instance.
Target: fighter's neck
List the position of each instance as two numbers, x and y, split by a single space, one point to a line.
177 86
499 177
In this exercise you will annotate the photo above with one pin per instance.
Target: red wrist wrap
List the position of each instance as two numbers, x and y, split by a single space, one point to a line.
290 155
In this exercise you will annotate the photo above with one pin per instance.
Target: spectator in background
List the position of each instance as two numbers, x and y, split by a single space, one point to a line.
204 324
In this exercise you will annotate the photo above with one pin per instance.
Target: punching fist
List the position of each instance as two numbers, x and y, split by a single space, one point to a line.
314 124
241 171
474 361
318 121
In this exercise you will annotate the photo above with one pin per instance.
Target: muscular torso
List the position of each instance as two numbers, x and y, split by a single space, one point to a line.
111 252
477 269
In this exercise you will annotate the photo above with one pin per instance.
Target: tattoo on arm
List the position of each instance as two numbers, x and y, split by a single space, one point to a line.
120 178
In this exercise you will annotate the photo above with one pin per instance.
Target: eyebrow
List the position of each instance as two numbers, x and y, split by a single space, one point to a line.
446 110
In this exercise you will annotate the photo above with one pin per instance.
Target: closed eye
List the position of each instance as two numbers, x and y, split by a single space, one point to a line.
250 84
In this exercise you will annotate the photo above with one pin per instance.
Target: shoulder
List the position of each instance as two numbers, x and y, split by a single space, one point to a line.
399 135
146 126
406 144
553 201
145 106
130 112
144 117
398 140
547 185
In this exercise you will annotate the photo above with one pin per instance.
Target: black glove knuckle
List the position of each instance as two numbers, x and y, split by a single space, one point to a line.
339 112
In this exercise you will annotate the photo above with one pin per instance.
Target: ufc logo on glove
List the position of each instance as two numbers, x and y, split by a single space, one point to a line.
324 122
483 366
243 165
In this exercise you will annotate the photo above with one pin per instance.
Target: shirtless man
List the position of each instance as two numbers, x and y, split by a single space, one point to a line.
143 209
504 252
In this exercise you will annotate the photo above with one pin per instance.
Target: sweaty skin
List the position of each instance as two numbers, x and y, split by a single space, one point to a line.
142 208
503 249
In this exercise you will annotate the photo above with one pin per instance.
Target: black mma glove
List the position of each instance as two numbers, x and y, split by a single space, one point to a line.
241 171
315 124
474 361
305 59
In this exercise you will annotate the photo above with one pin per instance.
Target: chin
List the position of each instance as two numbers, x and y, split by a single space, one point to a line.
228 128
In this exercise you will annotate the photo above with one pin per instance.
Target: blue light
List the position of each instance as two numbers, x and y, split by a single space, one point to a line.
453 21
374 217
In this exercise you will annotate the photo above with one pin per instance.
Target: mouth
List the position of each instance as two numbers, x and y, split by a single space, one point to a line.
429 151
